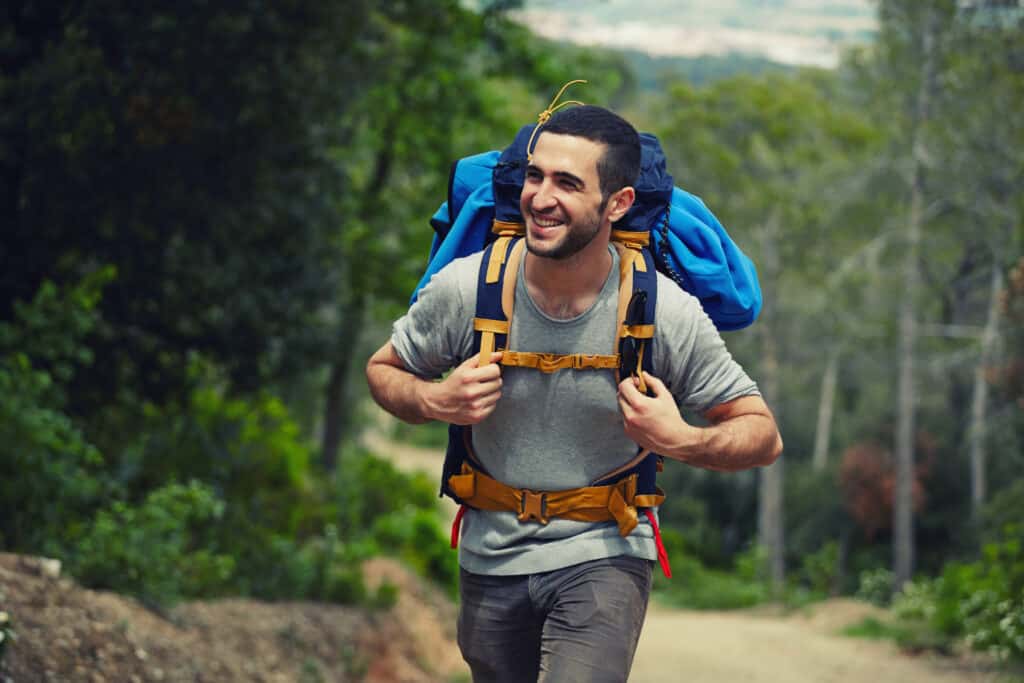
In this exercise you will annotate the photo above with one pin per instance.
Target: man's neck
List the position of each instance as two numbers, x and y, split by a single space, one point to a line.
566 288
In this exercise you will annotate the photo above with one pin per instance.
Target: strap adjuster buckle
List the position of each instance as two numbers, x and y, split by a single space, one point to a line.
533 505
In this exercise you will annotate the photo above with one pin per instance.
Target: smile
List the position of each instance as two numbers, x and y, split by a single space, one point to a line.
545 222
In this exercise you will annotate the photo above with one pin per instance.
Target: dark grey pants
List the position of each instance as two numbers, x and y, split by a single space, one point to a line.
577 624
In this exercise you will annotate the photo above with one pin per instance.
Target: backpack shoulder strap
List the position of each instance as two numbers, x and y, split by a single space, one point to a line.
638 296
495 296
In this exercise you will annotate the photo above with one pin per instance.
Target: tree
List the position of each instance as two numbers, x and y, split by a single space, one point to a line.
753 150
185 145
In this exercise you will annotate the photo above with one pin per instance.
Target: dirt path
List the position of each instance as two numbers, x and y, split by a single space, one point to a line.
710 647
747 647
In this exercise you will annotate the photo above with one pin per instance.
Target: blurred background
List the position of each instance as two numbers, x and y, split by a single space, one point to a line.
211 213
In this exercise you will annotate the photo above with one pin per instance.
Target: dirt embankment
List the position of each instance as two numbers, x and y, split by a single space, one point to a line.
69 634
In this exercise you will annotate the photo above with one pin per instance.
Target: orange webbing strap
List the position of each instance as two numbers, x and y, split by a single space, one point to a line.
616 501
508 285
632 240
637 331
508 228
625 282
552 362
498 254
630 258
488 328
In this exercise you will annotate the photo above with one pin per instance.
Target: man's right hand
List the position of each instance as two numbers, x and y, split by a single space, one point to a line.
467 395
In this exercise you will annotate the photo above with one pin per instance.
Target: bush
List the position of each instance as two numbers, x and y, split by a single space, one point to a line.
150 550
51 477
876 586
820 570
416 536
695 586
989 597
6 632
981 602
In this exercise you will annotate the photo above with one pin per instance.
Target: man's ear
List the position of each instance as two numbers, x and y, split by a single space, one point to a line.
620 202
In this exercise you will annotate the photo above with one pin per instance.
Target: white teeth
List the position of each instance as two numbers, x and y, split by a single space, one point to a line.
545 223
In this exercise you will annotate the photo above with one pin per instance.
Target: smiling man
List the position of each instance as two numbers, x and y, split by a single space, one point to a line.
564 599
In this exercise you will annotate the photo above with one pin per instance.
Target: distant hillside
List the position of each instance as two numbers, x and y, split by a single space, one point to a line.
788 31
652 72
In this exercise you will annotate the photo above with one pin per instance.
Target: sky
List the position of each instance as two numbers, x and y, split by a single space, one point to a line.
802 32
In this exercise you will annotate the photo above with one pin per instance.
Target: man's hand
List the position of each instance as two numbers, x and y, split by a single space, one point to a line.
742 433
654 422
467 395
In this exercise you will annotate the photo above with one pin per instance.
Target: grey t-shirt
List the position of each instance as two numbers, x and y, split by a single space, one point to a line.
564 429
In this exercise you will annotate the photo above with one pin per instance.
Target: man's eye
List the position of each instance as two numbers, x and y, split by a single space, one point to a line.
532 175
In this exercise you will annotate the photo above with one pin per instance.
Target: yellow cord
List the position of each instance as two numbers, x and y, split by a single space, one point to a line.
543 117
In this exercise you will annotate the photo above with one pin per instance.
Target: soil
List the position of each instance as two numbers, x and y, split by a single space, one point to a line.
766 646
67 633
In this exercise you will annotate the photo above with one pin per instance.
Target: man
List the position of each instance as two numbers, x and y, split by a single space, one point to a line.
565 601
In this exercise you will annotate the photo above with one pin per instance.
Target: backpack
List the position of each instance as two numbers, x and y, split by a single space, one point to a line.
666 230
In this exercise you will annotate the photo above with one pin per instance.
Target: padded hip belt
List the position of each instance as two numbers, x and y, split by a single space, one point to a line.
618 501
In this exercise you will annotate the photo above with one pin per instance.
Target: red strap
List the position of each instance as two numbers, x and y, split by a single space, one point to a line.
457 526
662 554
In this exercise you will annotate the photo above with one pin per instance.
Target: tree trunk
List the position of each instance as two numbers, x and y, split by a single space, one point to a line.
979 401
336 410
903 510
770 522
823 431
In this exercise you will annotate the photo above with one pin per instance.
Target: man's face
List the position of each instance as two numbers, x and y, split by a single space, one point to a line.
561 200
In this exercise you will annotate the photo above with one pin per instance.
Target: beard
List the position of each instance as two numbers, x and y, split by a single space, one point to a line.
577 236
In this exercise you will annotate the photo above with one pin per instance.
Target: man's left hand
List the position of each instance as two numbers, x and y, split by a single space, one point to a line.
654 422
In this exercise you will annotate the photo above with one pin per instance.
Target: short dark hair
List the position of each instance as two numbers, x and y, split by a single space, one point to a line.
619 166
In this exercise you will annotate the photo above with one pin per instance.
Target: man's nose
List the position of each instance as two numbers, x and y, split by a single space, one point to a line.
543 198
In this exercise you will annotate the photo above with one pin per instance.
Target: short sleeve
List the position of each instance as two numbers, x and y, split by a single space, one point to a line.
690 355
436 333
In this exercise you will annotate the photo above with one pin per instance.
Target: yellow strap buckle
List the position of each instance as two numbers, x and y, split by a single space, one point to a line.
533 505
550 362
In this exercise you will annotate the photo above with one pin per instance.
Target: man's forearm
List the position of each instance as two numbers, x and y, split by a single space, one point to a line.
398 391
738 443
467 395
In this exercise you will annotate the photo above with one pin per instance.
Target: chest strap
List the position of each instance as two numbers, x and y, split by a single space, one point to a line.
552 362
618 501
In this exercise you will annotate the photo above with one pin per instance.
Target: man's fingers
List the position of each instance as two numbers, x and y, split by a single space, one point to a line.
655 384
627 410
478 390
628 390
474 361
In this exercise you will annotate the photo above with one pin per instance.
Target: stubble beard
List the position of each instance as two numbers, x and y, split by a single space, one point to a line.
577 237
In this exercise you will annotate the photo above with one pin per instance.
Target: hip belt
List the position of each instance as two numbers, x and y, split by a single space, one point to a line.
618 501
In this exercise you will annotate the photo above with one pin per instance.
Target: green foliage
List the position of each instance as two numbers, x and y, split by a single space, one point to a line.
7 634
695 586
430 435
50 474
874 629
990 594
417 537
150 550
980 602
385 510
820 569
875 586
370 487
